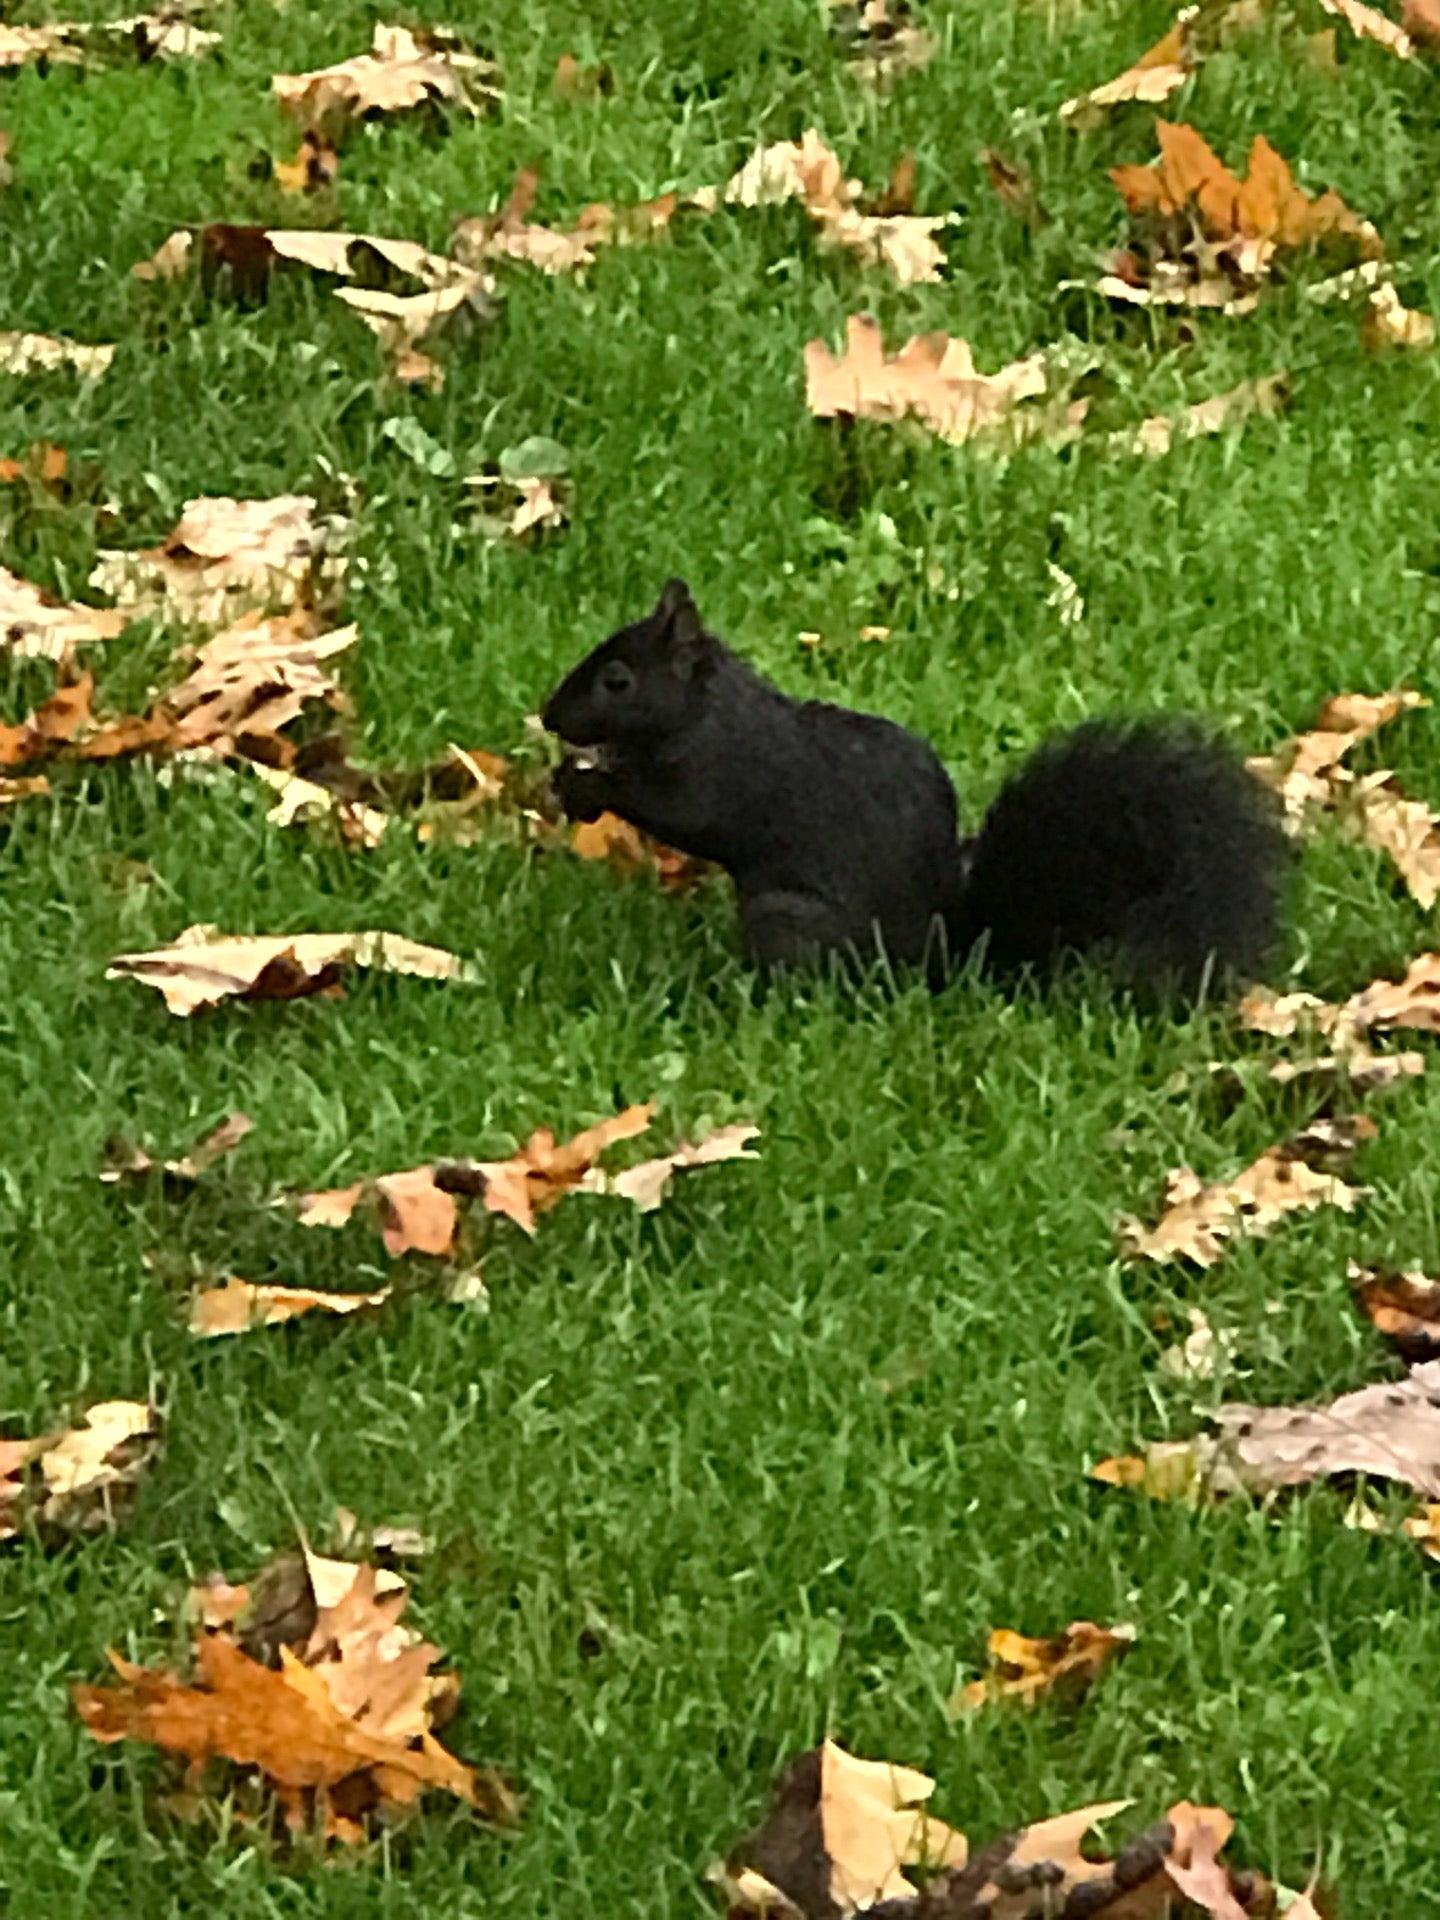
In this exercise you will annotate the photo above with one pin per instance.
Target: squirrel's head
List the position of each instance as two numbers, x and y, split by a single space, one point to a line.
642 683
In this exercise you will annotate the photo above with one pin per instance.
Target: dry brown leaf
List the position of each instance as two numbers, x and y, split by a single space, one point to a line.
1201 1352
1200 1221
13 791
1157 74
228 557
171 260
809 171
932 379
376 1671
34 625
1304 770
1379 814
842 1833
1405 1307
1023 1669
1382 1007
1388 322
418 1211
510 234
215 1603
123 1161
1155 436
1390 1430
402 71
78 1475
44 352
44 464
1370 24
1014 188
647 1184
164 35
285 1724
51 725
1203 1879
239 1307
203 966
314 168
608 837
882 40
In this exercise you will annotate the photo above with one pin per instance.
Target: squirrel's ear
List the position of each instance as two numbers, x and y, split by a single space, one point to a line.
685 637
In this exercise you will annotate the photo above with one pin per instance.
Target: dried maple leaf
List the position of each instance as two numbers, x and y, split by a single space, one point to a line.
1370 24
1200 1221
1404 1306
203 966
809 171
1264 397
228 557
1023 1669
376 1671
1304 770
44 352
932 379
841 1835
402 71
123 1161
78 1475
36 626
608 837
239 1307
646 1185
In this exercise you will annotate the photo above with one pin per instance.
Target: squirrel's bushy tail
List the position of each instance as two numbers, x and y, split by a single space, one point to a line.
1145 842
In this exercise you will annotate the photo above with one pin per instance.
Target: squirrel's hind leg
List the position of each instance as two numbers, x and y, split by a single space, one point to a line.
785 929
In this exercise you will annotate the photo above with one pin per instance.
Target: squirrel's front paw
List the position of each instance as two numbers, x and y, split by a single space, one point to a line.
581 791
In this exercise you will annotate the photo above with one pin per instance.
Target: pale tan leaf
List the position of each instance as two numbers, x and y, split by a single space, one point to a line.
1391 1430
301 802
418 1216
1389 322
36 626
1383 817
331 1581
239 1307
27 788
1200 1221
402 70
171 260
228 557
43 352
1303 771
332 1208
202 967
255 677
1370 24
128 1162
1156 436
647 1184
58 42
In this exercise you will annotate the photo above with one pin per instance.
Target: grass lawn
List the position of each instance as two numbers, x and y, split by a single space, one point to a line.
772 1462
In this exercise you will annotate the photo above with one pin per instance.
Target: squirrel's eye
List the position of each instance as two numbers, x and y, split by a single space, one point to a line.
617 678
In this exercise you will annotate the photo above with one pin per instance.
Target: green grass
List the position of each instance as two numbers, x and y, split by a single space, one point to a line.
772 1462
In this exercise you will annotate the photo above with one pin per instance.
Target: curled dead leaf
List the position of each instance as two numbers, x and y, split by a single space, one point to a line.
203 967
238 1307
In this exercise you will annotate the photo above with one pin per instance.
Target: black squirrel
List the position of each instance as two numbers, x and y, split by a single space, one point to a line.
1147 842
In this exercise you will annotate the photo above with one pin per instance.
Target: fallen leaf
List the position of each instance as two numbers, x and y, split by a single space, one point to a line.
933 379
1381 1007
1158 73
1202 1879
841 1835
1200 1221
13 791
608 837
7 151
1023 1669
881 39
1014 189
809 171
164 35
123 1161
313 170
1167 1470
1304 770
1201 1353
1388 322
646 1185
215 1603
1265 397
1405 1307
510 234
1370 24
203 966
239 1307
43 352
225 558
78 1475
1380 815
34 625
51 725
170 260
1208 237
402 71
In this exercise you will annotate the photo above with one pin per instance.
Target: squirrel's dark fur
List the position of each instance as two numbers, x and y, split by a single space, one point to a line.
1146 842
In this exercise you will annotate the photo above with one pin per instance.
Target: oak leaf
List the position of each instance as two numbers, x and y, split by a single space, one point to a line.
1158 73
202 966
1422 20
1380 1007
1200 1221
238 1307
225 558
78 1475
1024 1669
1306 770
932 379
402 71
1405 1307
